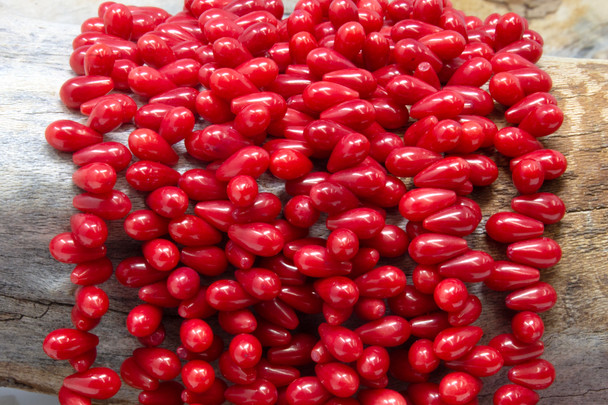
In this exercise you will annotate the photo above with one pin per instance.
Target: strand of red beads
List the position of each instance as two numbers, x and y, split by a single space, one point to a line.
312 99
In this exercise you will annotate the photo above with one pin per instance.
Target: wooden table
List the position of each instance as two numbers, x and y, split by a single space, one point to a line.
35 205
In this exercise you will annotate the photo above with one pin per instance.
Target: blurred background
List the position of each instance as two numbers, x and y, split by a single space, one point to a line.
570 28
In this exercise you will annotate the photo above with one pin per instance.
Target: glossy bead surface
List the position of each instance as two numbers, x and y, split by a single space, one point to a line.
527 326
511 394
538 252
510 276
539 297
545 207
198 376
536 374
70 136
339 379
450 294
514 351
307 391
508 227
453 343
459 388
65 249
64 344
143 320
245 350
434 248
389 331
96 383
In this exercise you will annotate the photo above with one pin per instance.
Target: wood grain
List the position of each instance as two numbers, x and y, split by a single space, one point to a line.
35 205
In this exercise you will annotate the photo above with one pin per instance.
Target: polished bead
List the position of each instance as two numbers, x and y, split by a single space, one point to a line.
342 343
410 303
450 294
70 136
315 261
259 238
339 379
92 272
454 343
553 162
382 282
134 376
401 369
64 344
514 142
337 291
66 249
506 276
158 294
428 326
527 326
539 252
516 113
422 357
434 248
332 197
528 176
468 314
307 391
536 374
538 297
508 227
260 283
481 361
95 383
168 392
363 180
417 204
514 351
78 90
136 272
112 153
459 388
364 222
456 220
545 207
442 104
472 266
357 114
389 331
511 394
228 295
381 396
449 172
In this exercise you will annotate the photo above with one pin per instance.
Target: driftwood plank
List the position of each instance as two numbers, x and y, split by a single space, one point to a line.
35 205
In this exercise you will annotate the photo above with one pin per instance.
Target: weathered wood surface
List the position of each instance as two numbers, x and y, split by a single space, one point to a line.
35 205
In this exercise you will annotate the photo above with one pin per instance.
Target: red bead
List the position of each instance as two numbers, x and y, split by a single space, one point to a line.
339 379
78 90
381 396
454 343
459 388
527 326
389 331
553 162
64 344
511 394
545 207
528 176
259 238
92 272
514 351
260 392
514 142
364 222
472 266
70 136
511 276
307 390
66 249
338 292
422 356
95 383
434 248
143 320
468 314
450 294
508 227
113 153
539 297
134 376
536 374
228 295
539 252
162 254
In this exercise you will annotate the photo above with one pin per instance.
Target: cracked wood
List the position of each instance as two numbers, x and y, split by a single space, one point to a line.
35 204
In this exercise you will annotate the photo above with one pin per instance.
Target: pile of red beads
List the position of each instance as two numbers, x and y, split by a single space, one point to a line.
310 99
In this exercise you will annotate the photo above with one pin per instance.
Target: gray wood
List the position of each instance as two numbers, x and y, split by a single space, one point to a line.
35 205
